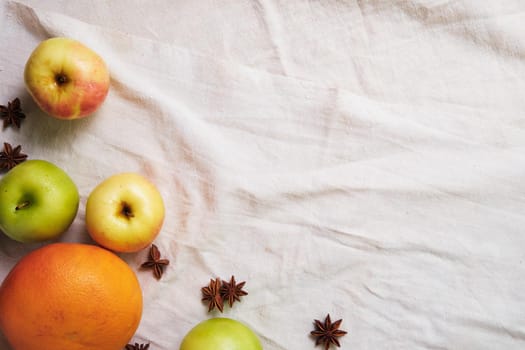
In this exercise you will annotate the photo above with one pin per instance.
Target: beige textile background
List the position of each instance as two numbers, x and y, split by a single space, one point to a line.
359 158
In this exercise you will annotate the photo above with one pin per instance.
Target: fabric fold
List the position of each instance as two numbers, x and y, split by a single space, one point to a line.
372 176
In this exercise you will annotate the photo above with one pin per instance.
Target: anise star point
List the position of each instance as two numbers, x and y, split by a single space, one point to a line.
137 346
211 294
11 157
155 263
12 113
327 333
232 291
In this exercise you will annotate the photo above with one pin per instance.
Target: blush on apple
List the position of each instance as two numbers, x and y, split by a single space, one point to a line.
66 79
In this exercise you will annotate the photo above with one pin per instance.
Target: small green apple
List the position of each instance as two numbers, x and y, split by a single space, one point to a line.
38 201
124 213
220 334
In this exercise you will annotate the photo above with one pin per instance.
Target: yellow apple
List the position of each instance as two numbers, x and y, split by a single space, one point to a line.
66 79
125 212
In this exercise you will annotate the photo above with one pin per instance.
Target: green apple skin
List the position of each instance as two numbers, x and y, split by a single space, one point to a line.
38 201
220 334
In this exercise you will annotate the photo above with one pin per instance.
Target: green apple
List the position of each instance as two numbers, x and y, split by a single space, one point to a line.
220 334
125 212
66 79
38 201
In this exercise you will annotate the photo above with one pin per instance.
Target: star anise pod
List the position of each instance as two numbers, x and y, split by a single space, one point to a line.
326 332
137 346
232 291
11 157
155 262
12 114
211 294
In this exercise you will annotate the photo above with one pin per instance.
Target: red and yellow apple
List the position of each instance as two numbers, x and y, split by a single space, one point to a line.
125 212
66 79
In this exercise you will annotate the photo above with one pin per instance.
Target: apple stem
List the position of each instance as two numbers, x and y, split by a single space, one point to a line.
61 79
126 210
22 205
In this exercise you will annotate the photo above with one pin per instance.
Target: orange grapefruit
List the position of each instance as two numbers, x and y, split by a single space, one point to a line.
70 296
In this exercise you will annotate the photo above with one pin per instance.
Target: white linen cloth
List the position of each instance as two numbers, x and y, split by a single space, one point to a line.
358 158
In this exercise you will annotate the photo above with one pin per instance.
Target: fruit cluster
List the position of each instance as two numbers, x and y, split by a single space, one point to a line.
69 295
